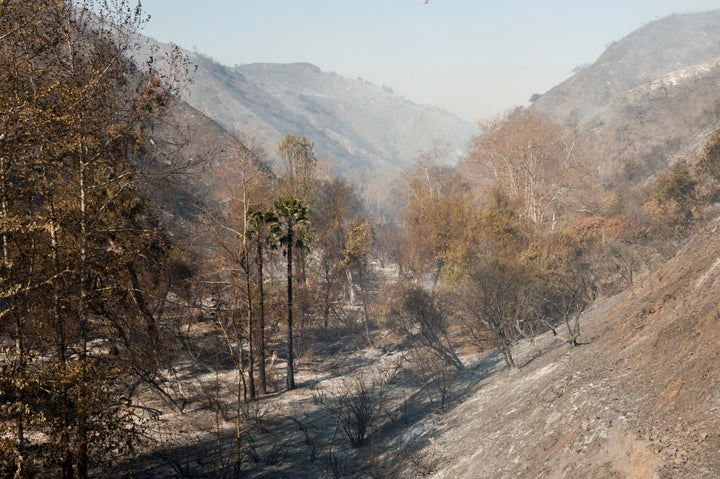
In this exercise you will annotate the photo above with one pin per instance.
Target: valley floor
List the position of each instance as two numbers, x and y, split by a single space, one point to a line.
640 397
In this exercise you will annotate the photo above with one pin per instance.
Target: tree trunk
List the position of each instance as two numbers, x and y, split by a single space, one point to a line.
66 461
19 330
290 359
251 336
261 325
82 429
6 254
366 317
149 318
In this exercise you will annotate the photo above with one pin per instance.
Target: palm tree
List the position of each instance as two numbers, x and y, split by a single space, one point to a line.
260 221
291 219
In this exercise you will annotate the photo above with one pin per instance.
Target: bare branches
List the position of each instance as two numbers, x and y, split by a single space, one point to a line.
415 314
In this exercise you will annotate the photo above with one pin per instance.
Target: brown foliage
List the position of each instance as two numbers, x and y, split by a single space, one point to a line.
437 217
80 246
532 160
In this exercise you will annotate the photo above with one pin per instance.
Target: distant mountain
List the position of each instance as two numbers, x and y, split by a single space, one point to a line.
362 129
645 55
653 97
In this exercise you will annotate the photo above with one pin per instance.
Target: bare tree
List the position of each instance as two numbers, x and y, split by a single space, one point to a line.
532 159
498 300
573 298
417 315
358 402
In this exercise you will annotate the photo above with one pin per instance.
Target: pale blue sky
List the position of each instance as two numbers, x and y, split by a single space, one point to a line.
475 58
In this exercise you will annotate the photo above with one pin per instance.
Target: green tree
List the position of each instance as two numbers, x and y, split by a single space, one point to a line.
358 246
290 230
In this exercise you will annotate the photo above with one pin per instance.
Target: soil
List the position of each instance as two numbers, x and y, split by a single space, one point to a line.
638 398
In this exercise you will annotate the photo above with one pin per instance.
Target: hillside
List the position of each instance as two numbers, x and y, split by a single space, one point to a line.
361 129
639 399
652 126
189 166
647 54
650 99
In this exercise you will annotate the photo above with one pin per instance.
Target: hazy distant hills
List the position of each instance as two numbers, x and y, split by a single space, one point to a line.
360 128
648 53
359 116
650 98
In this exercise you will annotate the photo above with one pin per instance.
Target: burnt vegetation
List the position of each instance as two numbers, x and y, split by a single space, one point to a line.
145 340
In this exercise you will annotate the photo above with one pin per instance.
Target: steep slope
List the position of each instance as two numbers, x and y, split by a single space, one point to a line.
652 98
641 397
355 112
650 52
189 167
648 128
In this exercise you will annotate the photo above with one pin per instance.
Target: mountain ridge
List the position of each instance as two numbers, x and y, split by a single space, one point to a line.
647 53
363 130
650 100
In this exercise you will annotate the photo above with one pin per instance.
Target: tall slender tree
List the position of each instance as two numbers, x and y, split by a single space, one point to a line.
259 232
297 179
290 227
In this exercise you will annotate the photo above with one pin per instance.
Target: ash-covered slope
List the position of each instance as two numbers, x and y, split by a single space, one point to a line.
653 97
648 53
647 129
641 397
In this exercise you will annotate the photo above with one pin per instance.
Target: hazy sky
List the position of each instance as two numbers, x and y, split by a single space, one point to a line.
475 58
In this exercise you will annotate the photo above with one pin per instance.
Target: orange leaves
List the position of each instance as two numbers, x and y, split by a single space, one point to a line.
531 159
603 228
